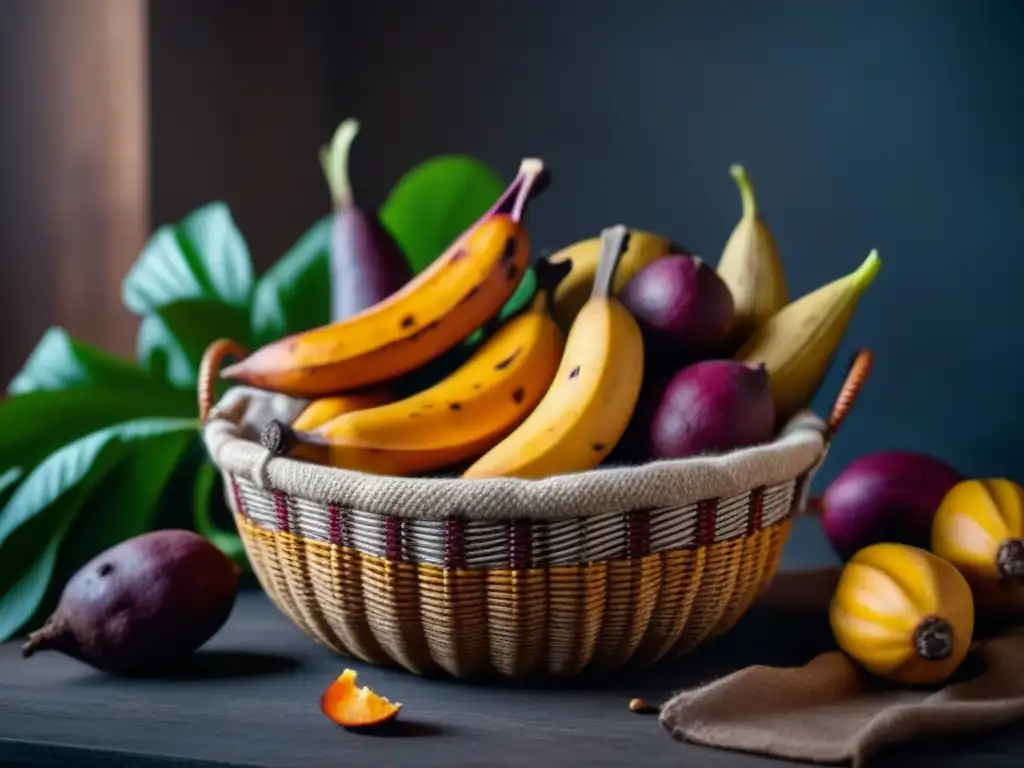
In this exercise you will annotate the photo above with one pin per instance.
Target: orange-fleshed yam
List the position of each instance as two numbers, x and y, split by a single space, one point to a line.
353 706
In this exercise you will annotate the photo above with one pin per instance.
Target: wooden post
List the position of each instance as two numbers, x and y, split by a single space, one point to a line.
75 210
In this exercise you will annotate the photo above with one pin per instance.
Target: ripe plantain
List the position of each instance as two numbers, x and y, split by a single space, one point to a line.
445 303
323 409
573 292
751 266
797 345
591 401
457 419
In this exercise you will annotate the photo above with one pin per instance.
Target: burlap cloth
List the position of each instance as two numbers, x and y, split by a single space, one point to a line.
827 711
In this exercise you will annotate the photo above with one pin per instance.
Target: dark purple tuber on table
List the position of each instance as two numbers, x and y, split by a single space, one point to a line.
367 265
884 496
143 605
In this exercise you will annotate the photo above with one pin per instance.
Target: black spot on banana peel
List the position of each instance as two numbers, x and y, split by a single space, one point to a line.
420 332
503 364
510 251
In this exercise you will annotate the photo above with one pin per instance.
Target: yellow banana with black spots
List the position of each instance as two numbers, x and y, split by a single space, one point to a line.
586 410
455 420
445 303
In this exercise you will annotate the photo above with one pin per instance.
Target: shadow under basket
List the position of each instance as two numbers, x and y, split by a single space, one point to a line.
596 571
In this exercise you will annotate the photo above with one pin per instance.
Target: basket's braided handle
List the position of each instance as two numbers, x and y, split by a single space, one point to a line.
209 367
860 367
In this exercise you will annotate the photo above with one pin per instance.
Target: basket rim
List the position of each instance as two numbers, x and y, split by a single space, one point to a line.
230 433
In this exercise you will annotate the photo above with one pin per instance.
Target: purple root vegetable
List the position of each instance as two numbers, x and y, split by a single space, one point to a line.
885 496
712 406
367 265
683 307
143 605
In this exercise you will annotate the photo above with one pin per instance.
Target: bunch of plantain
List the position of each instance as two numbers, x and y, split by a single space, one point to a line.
437 377
457 419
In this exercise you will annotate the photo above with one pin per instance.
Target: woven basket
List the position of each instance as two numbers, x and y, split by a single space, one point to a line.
592 571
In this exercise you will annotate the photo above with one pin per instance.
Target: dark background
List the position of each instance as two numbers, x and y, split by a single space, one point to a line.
863 124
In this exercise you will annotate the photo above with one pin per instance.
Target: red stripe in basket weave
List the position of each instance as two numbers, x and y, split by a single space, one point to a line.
520 544
334 523
638 534
756 516
707 516
454 543
239 501
393 539
281 508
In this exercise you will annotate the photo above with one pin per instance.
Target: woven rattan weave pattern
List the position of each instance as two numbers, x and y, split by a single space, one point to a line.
518 622
486 544
486 592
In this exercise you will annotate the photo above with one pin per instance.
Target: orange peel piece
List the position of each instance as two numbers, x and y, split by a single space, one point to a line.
353 706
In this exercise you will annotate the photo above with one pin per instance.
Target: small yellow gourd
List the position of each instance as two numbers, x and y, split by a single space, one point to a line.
979 528
903 613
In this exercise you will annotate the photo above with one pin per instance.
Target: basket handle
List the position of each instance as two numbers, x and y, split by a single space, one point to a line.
857 374
209 368
860 367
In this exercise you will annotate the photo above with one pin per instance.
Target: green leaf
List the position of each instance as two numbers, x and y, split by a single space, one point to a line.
437 201
173 338
34 522
34 425
40 512
70 465
28 589
294 294
9 481
61 362
228 542
204 256
126 503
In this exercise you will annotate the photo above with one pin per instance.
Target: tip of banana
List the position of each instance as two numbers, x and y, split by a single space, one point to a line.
867 271
531 166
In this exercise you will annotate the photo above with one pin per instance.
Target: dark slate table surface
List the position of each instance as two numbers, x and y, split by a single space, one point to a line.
250 697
